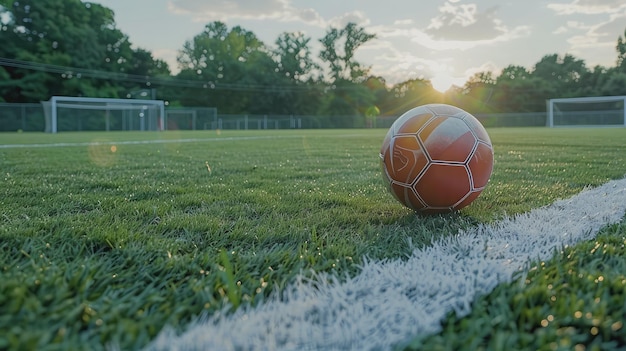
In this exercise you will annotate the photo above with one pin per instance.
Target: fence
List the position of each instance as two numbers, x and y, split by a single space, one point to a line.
24 117
526 119
30 117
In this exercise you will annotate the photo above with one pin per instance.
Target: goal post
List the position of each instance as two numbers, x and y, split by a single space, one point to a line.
78 113
587 111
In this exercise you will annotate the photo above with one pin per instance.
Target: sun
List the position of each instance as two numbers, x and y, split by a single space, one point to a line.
442 82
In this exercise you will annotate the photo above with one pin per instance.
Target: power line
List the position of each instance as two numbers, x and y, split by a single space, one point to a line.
71 72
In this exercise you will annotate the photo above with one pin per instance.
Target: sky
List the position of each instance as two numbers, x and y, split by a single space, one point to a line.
446 41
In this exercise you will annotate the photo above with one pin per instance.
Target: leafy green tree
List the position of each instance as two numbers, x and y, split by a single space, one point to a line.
513 73
478 93
382 98
143 64
5 80
408 94
513 89
296 73
294 57
615 84
621 52
347 97
592 82
338 49
45 38
346 103
562 74
233 66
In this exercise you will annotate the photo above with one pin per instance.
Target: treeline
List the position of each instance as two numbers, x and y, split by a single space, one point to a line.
70 47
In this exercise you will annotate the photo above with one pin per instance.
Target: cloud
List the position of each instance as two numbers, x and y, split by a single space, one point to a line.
457 27
599 34
465 22
487 66
406 65
357 17
309 16
403 22
569 26
230 9
602 34
613 27
223 10
425 39
588 7
399 65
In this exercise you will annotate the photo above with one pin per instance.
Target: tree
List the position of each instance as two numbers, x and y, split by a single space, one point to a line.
563 74
346 97
382 97
43 36
592 82
296 72
621 52
513 73
294 57
615 85
512 89
409 94
234 66
478 92
142 63
339 48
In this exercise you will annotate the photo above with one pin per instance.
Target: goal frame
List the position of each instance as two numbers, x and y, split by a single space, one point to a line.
58 101
193 113
590 99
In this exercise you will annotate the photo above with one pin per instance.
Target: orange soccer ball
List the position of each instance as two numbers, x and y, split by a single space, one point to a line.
436 158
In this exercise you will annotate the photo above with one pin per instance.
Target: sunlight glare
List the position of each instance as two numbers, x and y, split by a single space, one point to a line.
442 82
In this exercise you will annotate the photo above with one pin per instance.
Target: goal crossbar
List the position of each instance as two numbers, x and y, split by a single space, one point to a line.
589 99
56 102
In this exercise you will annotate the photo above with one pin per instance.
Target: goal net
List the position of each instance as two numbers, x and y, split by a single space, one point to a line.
67 113
587 111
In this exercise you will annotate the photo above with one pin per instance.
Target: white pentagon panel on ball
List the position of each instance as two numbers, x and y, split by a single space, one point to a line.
444 136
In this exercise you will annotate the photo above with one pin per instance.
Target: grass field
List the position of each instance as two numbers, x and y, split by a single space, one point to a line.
109 237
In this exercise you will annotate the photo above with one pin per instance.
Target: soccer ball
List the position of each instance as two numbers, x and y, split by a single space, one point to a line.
436 158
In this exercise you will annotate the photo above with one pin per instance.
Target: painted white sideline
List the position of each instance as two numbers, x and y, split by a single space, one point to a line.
391 301
165 141
140 142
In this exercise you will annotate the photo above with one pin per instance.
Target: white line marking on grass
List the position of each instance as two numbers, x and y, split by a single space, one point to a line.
391 301
170 141
140 142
